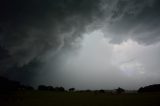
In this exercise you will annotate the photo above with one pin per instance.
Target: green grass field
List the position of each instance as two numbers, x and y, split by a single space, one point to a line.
48 98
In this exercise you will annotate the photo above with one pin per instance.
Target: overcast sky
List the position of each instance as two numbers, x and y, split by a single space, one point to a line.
86 44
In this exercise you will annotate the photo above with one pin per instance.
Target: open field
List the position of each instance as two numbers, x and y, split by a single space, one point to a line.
49 98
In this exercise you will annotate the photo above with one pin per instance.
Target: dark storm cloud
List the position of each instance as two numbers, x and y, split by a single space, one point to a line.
134 19
33 31
29 28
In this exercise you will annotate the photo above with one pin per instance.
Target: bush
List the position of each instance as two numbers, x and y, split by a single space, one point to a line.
120 90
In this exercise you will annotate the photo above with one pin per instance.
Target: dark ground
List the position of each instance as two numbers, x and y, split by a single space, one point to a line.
49 98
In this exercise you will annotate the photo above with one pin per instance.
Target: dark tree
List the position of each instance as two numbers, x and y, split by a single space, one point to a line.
50 88
59 89
150 88
120 90
8 85
140 90
101 91
42 87
29 88
72 89
88 90
24 87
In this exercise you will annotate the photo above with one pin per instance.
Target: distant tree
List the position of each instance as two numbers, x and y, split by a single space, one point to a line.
8 87
59 89
150 88
42 87
101 91
120 90
50 88
28 88
88 90
72 89
140 90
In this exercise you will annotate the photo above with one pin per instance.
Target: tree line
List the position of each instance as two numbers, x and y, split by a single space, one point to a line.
7 85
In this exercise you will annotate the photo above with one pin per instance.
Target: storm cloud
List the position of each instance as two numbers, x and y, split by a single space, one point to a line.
37 36
134 19
30 28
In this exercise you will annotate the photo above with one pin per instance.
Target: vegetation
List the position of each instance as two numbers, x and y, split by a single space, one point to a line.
72 89
150 88
12 93
50 88
120 90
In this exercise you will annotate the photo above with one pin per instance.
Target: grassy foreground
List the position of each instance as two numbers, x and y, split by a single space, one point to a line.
48 98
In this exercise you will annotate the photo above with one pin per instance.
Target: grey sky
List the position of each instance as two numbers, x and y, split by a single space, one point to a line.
101 64
84 44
